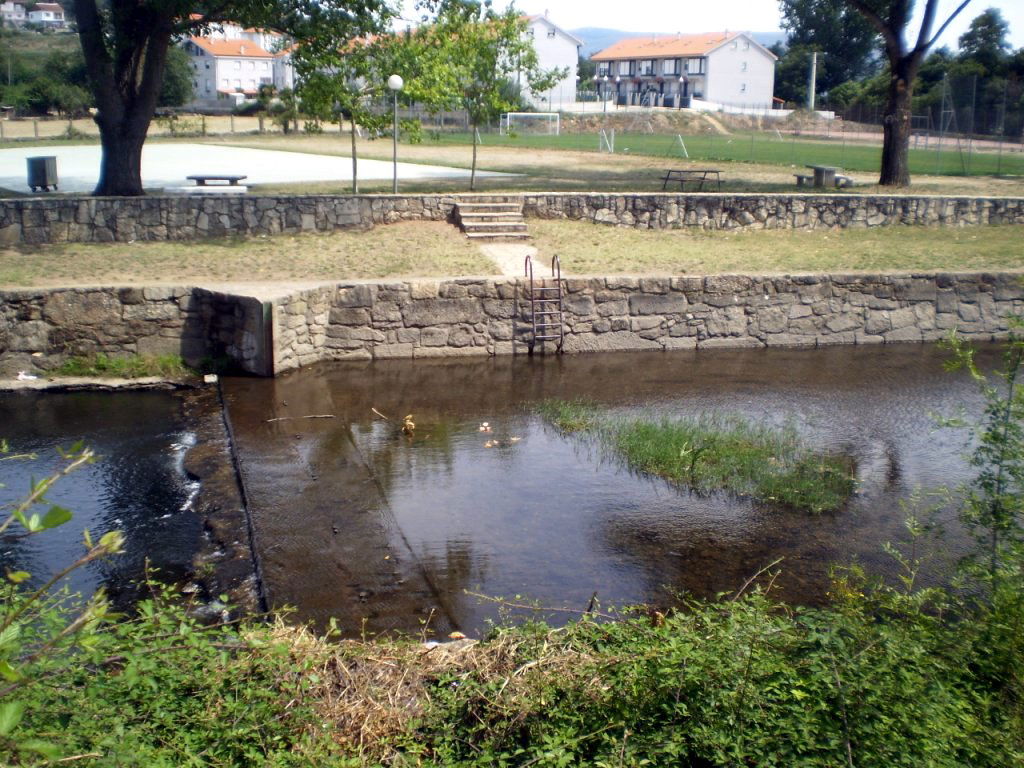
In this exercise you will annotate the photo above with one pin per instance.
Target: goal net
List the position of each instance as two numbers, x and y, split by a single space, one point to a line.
547 123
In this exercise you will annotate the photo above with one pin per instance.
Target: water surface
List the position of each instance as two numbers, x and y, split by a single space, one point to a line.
382 531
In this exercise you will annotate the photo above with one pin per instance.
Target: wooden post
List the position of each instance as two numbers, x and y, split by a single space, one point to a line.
260 117
232 123
35 126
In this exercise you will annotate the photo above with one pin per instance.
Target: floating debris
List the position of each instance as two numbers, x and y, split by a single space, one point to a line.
408 425
25 376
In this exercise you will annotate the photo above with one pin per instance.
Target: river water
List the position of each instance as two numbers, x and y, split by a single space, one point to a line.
137 485
354 520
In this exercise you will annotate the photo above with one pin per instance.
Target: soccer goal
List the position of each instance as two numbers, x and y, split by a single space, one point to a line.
546 123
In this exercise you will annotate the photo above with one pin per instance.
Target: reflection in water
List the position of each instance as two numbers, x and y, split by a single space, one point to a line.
137 485
417 521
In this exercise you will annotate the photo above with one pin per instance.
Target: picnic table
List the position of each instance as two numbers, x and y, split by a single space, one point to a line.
823 176
202 179
695 176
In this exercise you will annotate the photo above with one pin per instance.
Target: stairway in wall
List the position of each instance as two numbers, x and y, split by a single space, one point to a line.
491 217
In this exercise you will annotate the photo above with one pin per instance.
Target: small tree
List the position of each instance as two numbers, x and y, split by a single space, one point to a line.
341 79
467 57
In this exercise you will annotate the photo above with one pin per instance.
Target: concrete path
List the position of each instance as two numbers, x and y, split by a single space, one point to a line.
168 165
509 257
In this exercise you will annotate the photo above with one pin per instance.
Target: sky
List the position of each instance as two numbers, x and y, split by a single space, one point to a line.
733 15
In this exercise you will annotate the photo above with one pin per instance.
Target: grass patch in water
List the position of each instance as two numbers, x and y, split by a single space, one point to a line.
717 453
569 415
135 367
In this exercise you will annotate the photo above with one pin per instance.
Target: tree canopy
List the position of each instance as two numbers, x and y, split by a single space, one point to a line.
126 44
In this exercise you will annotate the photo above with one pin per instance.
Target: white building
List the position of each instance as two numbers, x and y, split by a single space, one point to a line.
13 14
222 69
556 49
47 15
726 68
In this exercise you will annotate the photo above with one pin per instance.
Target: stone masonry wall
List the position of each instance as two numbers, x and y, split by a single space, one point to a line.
489 317
97 220
362 321
39 329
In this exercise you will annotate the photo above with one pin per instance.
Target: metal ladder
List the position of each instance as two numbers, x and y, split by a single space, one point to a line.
546 306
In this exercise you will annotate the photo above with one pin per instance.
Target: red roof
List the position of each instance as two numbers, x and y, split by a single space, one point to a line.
661 46
246 48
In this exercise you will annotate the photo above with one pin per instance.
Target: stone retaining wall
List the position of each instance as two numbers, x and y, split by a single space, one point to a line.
489 317
97 220
362 321
39 329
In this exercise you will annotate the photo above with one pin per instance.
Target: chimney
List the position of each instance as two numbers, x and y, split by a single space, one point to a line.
545 13
241 50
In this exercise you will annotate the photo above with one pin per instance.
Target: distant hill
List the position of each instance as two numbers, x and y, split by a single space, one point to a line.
598 38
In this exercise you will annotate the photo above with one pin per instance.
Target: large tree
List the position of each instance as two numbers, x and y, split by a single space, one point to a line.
849 43
890 19
985 41
126 43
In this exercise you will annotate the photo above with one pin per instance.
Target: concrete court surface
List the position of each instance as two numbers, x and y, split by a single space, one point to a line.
168 165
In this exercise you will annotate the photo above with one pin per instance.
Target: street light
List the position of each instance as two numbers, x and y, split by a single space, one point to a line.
682 88
618 79
395 83
604 96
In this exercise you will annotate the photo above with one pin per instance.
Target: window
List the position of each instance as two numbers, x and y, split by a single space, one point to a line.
195 85
238 64
743 87
265 65
209 85
647 66
746 46
224 82
735 46
695 66
551 33
604 69
743 67
670 67
207 65
627 67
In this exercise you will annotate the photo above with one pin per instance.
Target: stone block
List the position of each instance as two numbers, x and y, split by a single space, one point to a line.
744 342
392 351
644 304
355 296
431 312
434 337
348 316
906 333
423 290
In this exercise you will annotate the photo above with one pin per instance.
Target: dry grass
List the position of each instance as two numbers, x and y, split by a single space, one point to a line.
371 692
586 248
415 249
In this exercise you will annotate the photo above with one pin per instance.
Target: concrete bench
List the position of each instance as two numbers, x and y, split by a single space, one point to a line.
201 180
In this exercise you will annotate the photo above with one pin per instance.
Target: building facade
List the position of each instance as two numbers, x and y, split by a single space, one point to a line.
13 14
47 15
556 49
670 70
229 71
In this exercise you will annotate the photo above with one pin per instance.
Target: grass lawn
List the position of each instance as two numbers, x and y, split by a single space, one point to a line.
762 147
398 250
581 168
586 248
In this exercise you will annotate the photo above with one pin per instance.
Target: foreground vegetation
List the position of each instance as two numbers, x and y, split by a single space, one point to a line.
128 367
714 453
887 674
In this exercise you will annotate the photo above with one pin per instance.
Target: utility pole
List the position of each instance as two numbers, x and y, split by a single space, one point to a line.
814 77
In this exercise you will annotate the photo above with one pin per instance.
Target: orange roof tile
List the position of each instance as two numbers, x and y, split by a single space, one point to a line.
245 48
664 45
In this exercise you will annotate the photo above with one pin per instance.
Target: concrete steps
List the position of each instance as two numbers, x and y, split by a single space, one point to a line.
491 218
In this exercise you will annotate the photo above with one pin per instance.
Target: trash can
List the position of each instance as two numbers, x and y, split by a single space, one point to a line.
684 102
42 173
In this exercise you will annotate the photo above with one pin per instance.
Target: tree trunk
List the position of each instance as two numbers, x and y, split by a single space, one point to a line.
472 172
125 80
896 127
355 177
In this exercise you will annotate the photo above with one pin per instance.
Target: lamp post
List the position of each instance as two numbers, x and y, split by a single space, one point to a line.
618 79
395 83
604 95
682 87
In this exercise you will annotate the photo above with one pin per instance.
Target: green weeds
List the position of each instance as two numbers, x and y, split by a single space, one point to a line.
165 366
717 453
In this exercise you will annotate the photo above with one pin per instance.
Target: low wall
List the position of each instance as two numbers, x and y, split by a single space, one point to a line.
363 321
39 329
97 220
489 317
